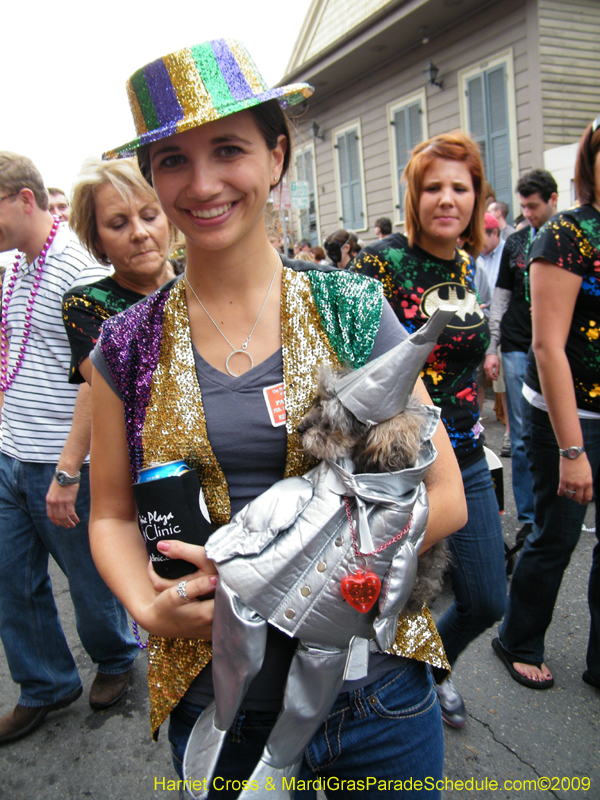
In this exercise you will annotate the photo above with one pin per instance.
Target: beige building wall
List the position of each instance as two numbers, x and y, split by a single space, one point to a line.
569 67
469 44
330 21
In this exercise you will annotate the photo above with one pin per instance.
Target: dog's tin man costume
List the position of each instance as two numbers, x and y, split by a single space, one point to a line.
282 559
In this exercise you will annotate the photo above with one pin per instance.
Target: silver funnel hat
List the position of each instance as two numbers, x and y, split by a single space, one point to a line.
382 388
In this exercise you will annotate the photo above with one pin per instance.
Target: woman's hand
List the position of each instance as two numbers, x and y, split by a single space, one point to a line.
189 616
118 547
576 481
202 577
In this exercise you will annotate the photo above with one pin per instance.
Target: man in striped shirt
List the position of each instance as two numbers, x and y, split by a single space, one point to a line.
44 475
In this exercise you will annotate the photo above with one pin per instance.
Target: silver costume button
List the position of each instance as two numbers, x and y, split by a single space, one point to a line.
339 541
305 591
322 566
290 613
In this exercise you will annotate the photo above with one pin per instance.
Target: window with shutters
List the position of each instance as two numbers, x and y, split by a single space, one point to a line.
308 219
488 113
350 179
408 126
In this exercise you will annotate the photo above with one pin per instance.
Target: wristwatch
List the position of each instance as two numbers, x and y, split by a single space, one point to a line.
572 452
64 479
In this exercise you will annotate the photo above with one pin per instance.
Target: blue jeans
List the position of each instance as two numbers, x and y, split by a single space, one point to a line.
390 730
38 656
477 570
547 551
515 365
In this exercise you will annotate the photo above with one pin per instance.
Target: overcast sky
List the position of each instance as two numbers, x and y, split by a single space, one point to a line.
64 66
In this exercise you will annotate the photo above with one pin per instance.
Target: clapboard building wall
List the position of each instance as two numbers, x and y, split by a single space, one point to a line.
502 79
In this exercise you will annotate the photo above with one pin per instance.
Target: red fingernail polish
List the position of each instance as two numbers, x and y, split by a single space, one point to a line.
213 580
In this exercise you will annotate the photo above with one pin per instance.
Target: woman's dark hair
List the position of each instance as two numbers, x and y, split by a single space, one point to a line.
589 147
335 241
272 123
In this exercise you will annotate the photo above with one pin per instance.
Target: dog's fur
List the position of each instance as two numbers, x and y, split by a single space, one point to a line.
329 431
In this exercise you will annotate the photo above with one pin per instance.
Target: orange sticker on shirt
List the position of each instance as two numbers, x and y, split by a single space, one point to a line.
275 404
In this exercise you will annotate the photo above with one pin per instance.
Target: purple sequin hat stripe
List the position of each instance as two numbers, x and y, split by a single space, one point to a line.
163 95
231 71
196 85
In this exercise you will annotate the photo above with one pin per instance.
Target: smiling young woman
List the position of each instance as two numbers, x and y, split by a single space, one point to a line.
445 200
190 374
213 182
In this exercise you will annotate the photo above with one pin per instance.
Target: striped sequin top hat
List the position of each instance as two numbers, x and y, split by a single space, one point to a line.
196 85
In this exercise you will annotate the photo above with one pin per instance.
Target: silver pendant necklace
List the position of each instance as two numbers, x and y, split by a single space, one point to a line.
243 350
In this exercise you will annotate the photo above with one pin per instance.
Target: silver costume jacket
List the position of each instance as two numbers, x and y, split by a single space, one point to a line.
281 561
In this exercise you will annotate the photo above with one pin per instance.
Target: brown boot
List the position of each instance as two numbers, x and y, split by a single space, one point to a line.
108 689
23 720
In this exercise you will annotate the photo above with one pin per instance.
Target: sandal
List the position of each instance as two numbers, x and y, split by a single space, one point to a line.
508 662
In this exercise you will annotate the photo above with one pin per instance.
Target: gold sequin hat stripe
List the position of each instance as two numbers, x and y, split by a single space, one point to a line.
196 85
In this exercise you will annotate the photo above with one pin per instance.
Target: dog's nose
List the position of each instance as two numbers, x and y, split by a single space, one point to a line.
302 428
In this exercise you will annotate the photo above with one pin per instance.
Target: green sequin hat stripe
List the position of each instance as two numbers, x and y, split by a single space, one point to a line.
196 85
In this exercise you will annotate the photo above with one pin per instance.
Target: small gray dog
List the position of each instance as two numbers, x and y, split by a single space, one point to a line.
330 431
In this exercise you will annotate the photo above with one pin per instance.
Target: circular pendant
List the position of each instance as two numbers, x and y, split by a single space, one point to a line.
235 353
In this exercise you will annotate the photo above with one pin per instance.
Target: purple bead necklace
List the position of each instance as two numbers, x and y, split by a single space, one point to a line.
6 379
138 638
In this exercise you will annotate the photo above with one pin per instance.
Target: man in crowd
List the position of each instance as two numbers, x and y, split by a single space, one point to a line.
500 211
303 246
44 480
58 205
383 227
510 327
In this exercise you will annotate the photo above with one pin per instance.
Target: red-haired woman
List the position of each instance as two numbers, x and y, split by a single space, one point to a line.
563 448
445 199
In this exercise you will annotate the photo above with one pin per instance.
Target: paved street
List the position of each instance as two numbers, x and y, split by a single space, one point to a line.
513 734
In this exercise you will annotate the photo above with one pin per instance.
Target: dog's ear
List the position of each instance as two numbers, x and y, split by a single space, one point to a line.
328 430
394 444
326 380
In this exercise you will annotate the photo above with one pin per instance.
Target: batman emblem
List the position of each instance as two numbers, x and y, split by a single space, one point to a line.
460 296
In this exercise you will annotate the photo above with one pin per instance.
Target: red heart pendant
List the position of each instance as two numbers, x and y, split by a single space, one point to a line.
361 590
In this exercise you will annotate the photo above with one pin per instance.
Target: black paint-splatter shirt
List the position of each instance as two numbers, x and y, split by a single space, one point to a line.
84 310
515 328
571 240
415 283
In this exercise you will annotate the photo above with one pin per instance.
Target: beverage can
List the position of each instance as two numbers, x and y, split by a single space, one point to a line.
156 471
